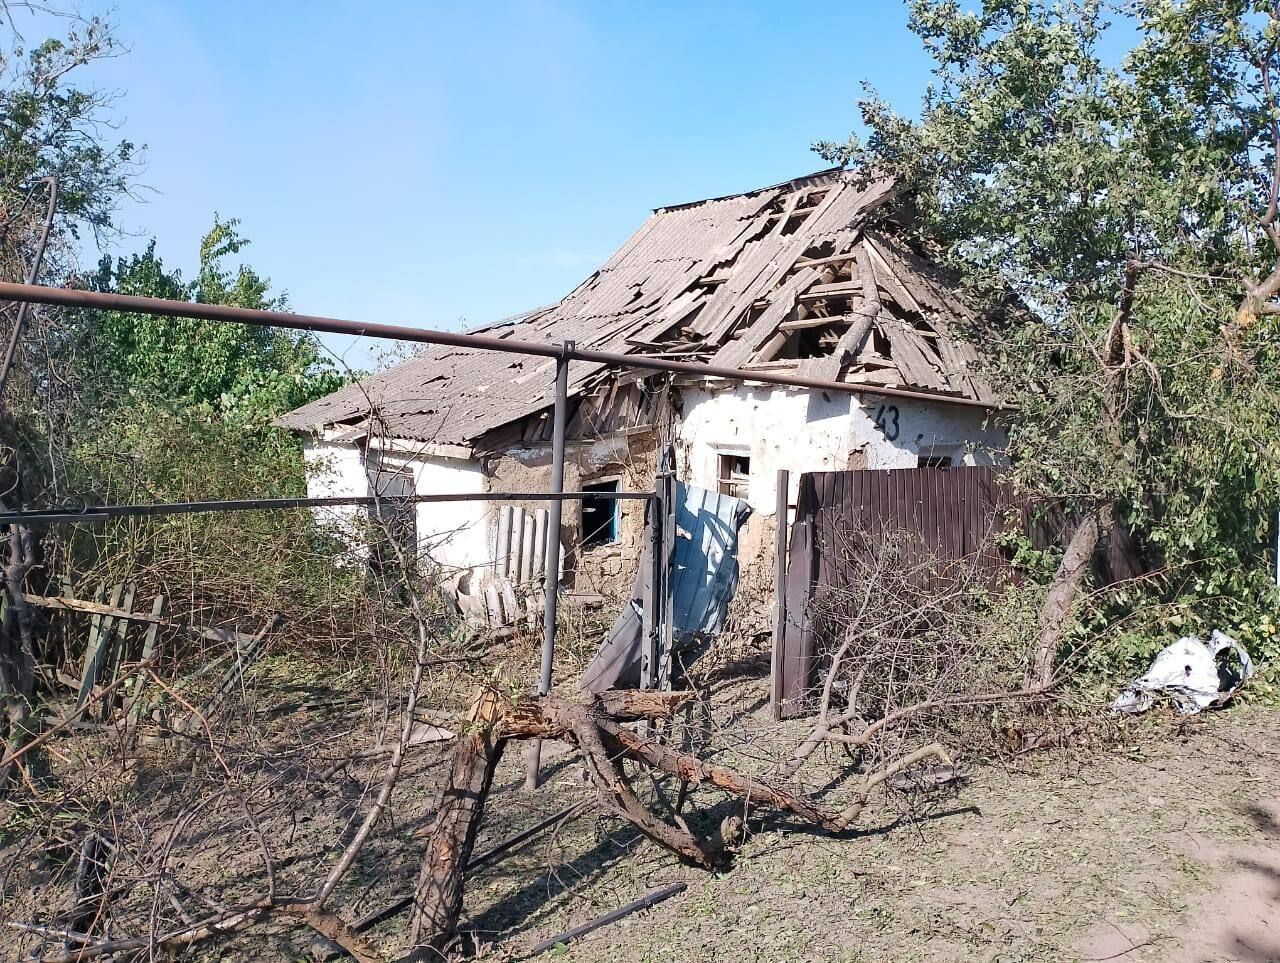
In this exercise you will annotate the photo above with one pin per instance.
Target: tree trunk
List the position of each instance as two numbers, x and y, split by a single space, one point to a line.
1063 591
438 897
595 728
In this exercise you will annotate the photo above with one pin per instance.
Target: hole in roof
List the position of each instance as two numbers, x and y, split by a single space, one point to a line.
879 342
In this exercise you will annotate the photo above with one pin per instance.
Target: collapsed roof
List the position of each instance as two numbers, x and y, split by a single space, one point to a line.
797 277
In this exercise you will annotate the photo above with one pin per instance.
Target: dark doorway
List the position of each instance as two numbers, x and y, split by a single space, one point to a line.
599 515
392 518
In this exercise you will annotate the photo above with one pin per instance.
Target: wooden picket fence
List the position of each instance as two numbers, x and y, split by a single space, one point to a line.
120 650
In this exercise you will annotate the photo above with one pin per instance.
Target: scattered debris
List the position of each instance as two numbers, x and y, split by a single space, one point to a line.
705 578
424 732
644 902
1191 674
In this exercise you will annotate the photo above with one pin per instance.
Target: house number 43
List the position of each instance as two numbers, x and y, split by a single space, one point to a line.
887 421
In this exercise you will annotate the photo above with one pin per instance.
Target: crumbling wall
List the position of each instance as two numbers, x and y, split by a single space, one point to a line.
627 458
802 431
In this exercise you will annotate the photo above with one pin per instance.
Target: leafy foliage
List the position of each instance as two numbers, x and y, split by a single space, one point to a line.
50 126
247 374
1125 205
185 411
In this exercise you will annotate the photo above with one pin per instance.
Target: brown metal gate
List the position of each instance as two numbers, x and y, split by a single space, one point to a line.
949 514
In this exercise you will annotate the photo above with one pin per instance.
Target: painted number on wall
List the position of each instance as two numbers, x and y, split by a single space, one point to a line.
887 421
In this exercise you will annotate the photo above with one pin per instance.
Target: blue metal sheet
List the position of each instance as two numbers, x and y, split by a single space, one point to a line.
706 576
706 559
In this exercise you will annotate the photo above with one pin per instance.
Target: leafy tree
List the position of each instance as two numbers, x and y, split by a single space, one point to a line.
1132 207
51 132
241 372
184 412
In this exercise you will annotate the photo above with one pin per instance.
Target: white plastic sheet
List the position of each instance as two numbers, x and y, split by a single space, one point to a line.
1188 673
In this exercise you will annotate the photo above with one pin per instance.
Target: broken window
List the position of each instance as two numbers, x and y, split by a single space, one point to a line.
734 474
935 461
599 514
392 518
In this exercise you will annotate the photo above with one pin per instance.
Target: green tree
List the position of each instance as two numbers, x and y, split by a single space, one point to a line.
241 372
1131 209
52 129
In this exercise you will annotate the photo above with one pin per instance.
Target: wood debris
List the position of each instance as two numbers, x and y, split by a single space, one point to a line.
810 275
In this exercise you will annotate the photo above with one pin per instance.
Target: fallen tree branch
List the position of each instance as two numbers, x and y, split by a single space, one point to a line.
222 924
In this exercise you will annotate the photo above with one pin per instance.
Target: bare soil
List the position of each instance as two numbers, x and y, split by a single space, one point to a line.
1165 847
1164 850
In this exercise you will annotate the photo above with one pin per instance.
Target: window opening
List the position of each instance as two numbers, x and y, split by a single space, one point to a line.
599 515
935 461
734 475
393 518
818 342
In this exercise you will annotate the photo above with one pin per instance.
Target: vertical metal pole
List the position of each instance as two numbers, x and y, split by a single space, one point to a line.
650 608
779 591
667 602
551 584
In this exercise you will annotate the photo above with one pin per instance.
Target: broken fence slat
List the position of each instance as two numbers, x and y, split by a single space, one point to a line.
652 898
244 658
541 518
99 639
502 555
526 549
247 656
510 604
493 605
118 652
517 539
134 702
98 610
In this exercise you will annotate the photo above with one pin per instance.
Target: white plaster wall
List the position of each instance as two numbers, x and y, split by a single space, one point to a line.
923 429
335 470
453 534
775 427
803 431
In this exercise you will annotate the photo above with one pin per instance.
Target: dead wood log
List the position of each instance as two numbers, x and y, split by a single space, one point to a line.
492 721
595 726
588 730
438 896
1062 594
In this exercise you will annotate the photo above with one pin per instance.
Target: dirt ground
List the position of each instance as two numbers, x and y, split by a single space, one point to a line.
1167 850
1163 848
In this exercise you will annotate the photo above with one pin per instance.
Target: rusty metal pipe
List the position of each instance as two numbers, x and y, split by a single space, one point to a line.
67 297
97 513
551 590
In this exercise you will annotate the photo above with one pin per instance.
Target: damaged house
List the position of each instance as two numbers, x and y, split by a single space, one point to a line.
809 276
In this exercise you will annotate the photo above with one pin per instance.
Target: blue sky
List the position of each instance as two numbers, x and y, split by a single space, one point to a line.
445 164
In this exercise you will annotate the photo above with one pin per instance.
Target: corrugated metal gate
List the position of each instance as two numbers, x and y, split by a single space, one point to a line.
947 513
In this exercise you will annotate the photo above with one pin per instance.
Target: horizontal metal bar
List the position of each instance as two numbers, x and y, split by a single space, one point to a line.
67 297
98 513
649 899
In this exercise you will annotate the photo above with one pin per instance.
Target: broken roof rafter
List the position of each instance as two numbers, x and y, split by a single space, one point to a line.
694 283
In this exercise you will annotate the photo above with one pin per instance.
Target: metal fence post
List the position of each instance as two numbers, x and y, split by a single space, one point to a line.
651 604
667 603
551 583
779 591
